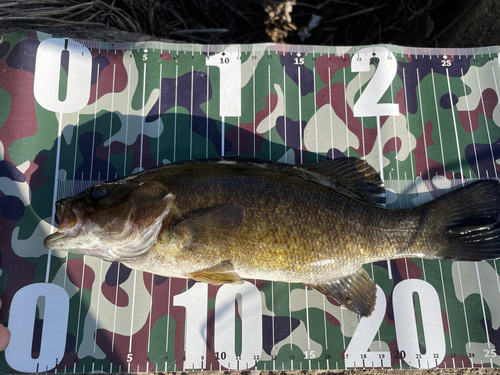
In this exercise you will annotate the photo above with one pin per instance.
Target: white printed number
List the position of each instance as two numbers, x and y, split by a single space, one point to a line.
357 353
47 76
368 103
53 304
250 304
230 81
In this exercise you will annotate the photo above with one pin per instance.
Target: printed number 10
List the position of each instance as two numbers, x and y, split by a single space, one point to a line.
195 331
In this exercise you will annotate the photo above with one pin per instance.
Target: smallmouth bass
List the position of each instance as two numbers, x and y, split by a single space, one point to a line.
221 220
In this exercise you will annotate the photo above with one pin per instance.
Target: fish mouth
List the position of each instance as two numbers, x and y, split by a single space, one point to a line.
68 224
52 240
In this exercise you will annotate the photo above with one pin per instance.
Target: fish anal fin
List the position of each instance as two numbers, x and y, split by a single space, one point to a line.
211 225
222 273
356 292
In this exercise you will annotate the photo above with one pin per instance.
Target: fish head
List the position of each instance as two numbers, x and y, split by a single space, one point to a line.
117 221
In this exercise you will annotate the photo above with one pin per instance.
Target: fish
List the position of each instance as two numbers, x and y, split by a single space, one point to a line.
226 219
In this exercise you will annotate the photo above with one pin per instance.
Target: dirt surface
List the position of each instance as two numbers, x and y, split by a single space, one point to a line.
425 23
479 371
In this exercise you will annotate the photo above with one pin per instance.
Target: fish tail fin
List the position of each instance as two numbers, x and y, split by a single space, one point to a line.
468 221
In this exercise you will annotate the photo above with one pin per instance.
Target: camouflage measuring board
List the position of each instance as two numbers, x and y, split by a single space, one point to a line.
73 113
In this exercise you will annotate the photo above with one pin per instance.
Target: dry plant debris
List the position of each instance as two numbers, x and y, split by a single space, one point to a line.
320 22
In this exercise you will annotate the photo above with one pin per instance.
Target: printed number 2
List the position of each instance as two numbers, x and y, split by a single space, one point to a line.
54 312
363 336
368 103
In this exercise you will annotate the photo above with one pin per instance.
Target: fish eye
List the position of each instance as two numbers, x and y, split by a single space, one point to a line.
97 192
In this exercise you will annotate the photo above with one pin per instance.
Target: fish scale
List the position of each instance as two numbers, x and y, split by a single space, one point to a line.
424 150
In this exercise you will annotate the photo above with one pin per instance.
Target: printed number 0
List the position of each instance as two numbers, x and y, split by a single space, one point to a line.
432 322
22 322
368 103
251 324
47 76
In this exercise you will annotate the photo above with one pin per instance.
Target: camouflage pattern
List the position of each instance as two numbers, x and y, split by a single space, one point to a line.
151 104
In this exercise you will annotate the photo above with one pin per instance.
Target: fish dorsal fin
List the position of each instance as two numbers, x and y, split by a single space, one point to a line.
211 225
222 273
352 177
356 292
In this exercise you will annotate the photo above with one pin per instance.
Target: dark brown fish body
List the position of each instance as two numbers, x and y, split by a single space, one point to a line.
227 219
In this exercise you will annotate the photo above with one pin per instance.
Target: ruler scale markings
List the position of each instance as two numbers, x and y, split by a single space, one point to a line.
150 314
315 111
191 120
175 111
470 123
132 312
79 308
395 134
253 105
345 112
380 150
143 116
423 125
300 123
463 303
455 125
98 304
206 123
269 112
284 110
363 156
330 108
482 306
95 121
126 122
308 326
486 125
342 325
116 305
445 303
273 317
290 315
439 126
408 125
110 121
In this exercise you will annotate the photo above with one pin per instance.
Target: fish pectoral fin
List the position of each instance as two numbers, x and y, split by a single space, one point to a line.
221 273
212 225
356 292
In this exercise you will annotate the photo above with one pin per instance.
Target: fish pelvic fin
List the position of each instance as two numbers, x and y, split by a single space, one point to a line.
468 221
221 273
212 225
356 292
